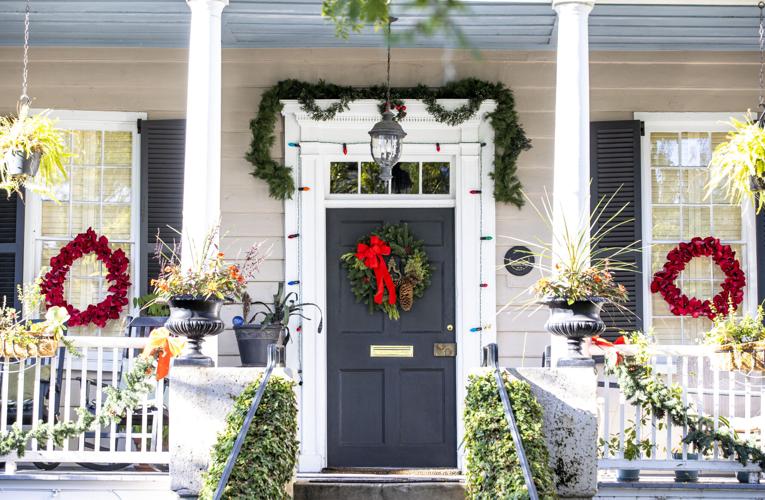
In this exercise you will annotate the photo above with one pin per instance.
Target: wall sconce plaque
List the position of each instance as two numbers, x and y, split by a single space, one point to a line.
519 261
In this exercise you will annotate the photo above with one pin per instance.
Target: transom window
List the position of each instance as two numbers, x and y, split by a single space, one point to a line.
680 210
409 178
102 193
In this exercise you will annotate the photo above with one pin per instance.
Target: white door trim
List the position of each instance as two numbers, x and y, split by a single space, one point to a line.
321 142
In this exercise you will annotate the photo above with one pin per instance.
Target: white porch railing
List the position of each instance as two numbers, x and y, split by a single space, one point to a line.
50 390
725 396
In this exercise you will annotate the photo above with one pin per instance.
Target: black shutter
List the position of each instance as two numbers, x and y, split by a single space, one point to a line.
11 247
760 225
163 144
615 169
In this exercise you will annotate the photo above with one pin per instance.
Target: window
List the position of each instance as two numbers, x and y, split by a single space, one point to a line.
409 178
102 192
676 208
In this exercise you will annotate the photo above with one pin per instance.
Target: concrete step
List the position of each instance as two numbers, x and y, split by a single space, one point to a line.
381 490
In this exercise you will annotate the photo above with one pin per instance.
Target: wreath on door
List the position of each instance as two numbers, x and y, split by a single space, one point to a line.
388 270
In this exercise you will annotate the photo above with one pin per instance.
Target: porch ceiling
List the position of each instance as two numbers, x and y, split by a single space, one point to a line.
489 24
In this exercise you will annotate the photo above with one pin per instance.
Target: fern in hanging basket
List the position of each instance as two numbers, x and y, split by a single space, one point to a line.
26 143
737 167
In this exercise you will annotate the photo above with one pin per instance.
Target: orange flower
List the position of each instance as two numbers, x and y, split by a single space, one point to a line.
597 279
221 255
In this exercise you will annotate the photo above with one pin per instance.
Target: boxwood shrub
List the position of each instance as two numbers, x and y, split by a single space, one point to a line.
493 469
269 454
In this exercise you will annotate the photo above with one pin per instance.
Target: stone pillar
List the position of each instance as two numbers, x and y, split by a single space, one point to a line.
571 172
570 425
201 181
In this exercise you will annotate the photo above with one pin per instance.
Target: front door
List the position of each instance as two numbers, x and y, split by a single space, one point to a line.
391 411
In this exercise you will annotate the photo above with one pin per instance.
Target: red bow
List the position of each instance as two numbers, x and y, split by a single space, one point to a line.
372 257
610 347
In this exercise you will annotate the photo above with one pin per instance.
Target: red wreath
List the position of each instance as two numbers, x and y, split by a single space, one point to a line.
116 264
732 293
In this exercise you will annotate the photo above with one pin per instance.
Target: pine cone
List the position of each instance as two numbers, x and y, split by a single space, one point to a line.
406 295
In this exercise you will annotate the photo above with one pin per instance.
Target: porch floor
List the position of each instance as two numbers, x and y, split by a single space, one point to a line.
662 485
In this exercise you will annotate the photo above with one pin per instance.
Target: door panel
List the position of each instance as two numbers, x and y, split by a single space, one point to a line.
386 411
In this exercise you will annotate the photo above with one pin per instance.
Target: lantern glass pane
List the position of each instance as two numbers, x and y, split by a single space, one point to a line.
386 149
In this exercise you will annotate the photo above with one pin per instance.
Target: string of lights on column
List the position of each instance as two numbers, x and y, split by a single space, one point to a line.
298 237
482 285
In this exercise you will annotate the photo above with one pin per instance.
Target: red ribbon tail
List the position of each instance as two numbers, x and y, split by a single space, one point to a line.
379 270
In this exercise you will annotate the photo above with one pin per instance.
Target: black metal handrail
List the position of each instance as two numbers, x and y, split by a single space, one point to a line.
491 360
275 358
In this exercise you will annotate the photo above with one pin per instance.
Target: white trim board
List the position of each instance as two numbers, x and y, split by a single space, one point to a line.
321 142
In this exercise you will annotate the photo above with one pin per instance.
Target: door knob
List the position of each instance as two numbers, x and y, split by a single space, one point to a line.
450 327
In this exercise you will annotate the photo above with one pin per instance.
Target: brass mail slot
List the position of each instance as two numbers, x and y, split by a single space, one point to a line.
444 350
391 351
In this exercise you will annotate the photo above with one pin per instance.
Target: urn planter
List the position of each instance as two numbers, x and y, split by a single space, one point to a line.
18 163
253 342
194 318
575 322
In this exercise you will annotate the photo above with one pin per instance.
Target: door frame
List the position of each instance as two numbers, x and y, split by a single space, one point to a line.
309 146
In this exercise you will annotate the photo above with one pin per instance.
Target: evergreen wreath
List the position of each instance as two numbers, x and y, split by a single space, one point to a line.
509 137
407 264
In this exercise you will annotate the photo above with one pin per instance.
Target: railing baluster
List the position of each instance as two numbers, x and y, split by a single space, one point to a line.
685 403
36 399
4 395
83 388
606 413
68 395
52 391
748 408
113 424
157 421
99 394
668 448
144 421
20 372
129 415
715 402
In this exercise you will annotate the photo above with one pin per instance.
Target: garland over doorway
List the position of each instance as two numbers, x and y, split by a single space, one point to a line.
509 137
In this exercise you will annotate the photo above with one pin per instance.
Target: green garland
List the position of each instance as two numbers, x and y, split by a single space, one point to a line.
509 137
493 470
269 454
412 266
117 403
641 387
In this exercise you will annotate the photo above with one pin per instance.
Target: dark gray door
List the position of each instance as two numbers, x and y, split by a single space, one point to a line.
391 411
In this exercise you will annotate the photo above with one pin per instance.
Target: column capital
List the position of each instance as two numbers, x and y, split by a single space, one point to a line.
585 5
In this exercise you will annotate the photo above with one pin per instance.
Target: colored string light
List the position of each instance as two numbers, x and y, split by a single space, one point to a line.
438 147
292 236
475 191
304 188
345 149
486 238
293 283
476 329
293 144
484 285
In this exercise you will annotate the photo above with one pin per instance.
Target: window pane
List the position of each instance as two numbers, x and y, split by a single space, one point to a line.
370 179
116 221
86 183
696 149
435 178
697 183
667 185
668 330
343 177
665 150
55 219
85 216
697 221
118 148
666 223
406 178
118 185
86 147
727 223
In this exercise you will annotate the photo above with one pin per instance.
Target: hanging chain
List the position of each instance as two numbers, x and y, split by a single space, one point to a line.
387 86
24 99
761 5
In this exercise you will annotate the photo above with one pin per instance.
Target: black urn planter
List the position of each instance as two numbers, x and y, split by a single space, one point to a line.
253 342
575 322
194 318
18 163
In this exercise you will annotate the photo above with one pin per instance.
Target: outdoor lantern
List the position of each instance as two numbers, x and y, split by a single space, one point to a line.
385 144
387 134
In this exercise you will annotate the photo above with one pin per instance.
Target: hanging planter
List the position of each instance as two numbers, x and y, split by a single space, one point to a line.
737 167
32 149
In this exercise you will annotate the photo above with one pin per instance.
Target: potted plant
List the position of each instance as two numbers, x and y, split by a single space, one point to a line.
254 338
580 281
739 342
32 151
196 293
685 476
634 449
737 166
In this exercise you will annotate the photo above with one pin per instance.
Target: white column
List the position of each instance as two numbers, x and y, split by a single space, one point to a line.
201 180
571 172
